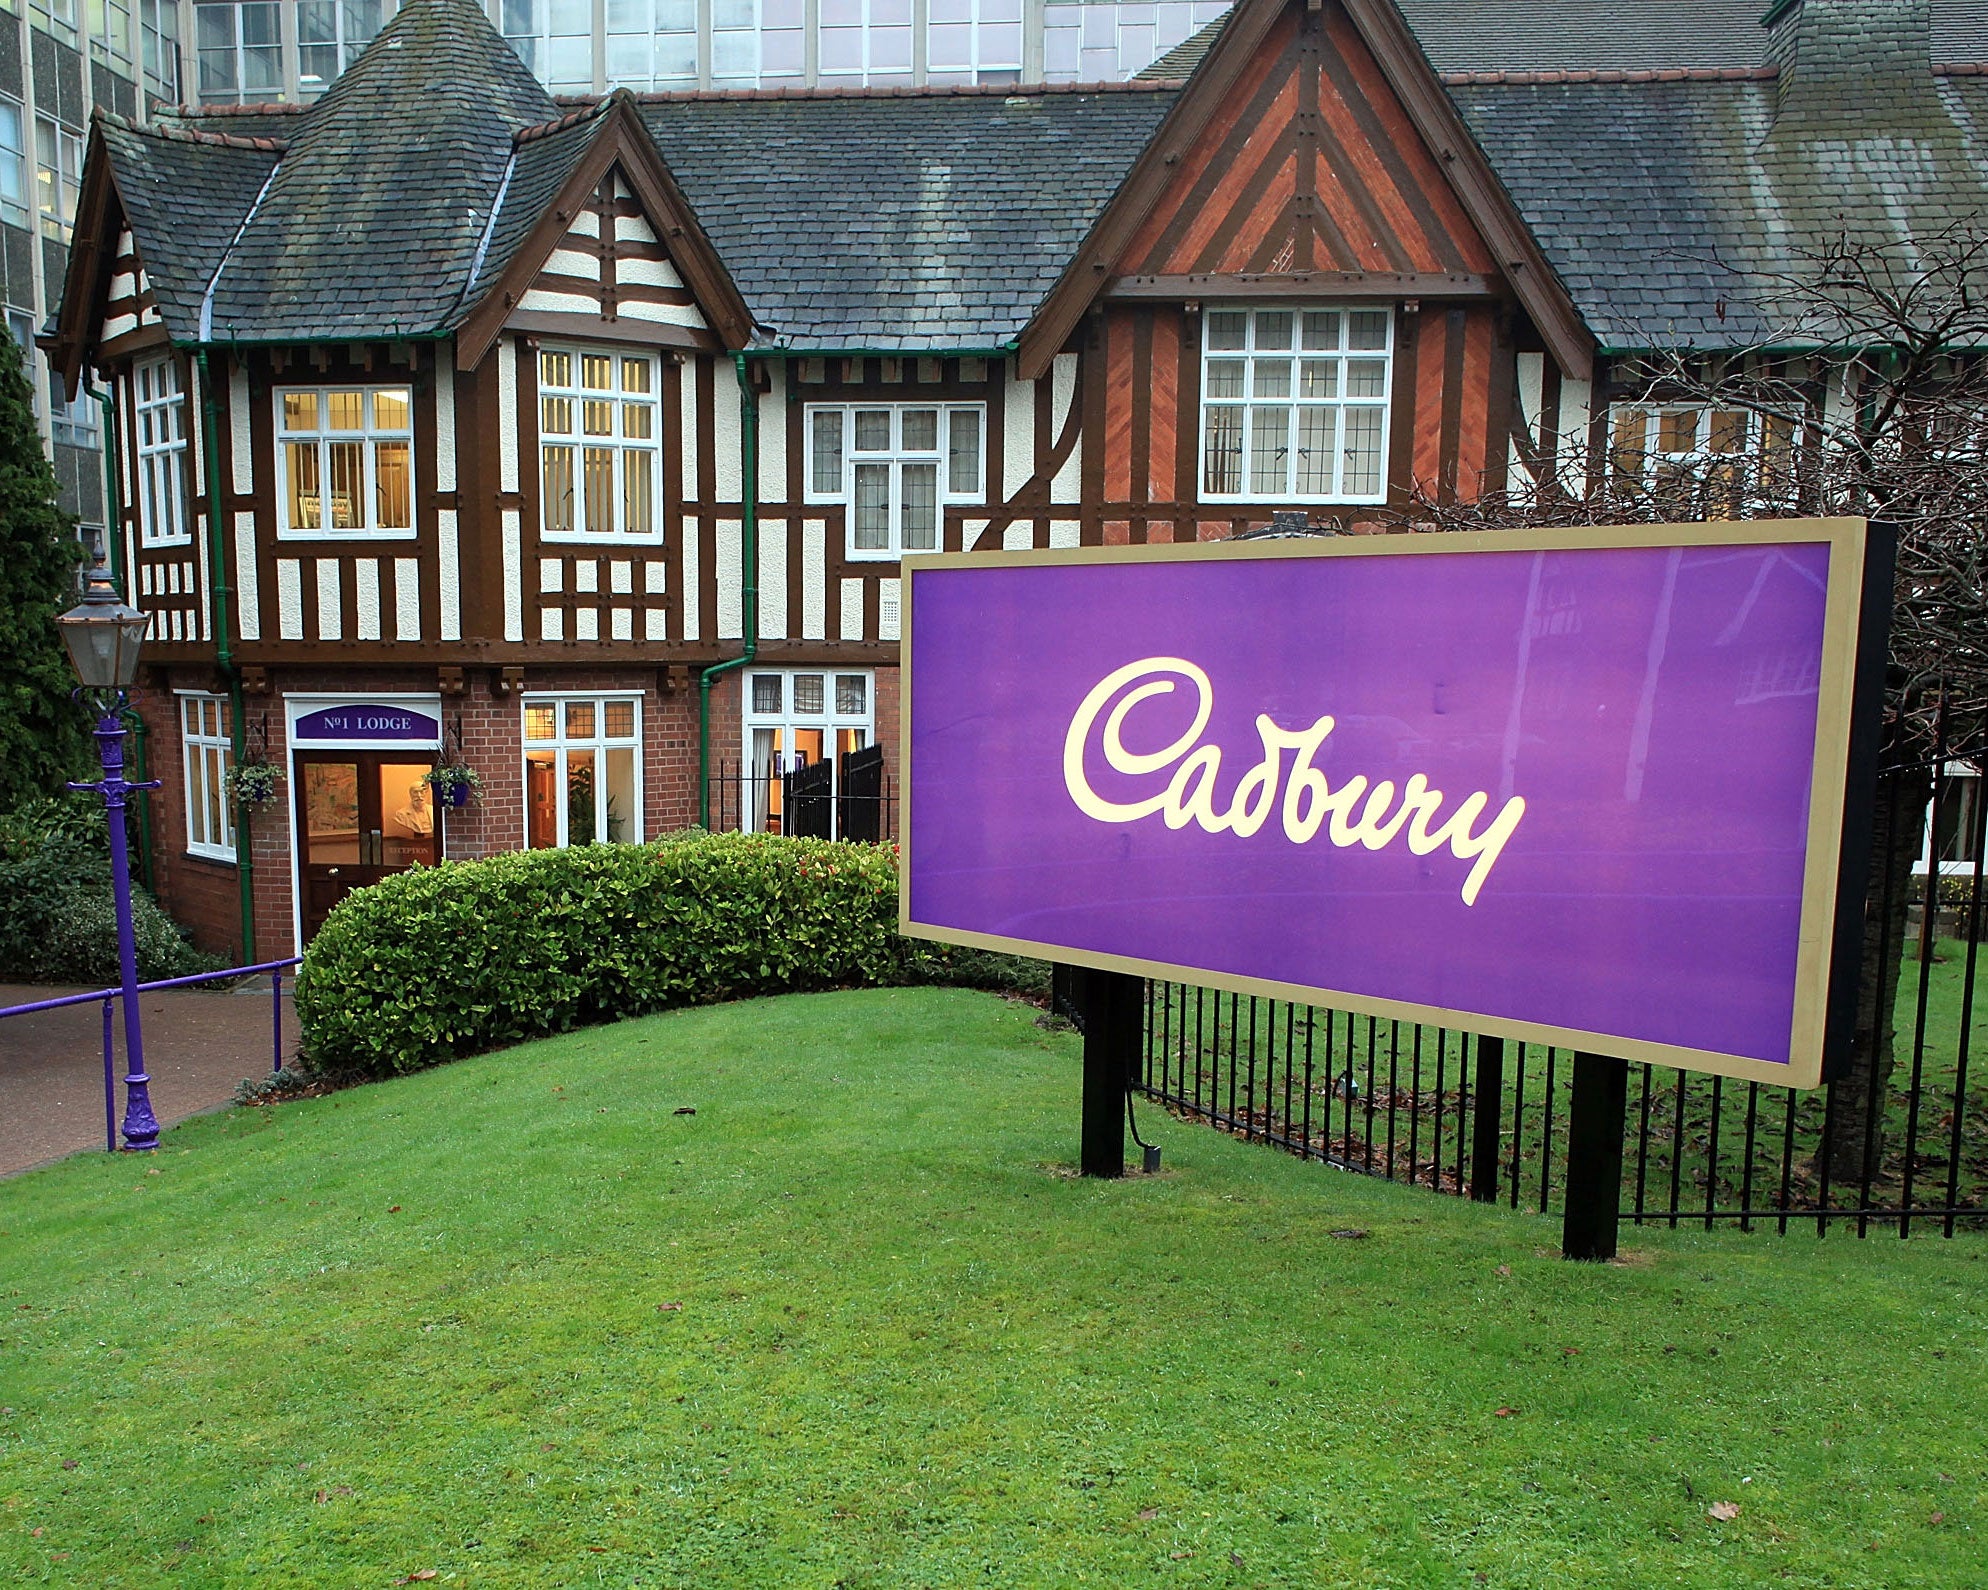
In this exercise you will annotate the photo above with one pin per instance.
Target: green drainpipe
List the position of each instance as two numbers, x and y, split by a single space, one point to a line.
114 558
749 450
220 594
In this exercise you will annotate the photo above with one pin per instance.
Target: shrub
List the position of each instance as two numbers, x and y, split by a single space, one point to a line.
58 917
445 961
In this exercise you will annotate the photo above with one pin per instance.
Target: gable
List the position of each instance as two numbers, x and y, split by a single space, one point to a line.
612 264
1315 147
130 305
1310 163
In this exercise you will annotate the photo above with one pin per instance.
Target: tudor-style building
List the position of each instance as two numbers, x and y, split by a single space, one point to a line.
584 442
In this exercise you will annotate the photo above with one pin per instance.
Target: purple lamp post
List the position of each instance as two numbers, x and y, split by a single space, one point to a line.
102 636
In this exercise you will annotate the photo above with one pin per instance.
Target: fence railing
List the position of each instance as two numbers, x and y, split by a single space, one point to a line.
110 996
1905 1148
858 803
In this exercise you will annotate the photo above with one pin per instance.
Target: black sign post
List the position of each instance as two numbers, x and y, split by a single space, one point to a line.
1595 1119
1112 1004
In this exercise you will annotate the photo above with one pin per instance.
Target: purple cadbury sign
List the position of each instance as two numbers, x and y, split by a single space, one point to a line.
1566 790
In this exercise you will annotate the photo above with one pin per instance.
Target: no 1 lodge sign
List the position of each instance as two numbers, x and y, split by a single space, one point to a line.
1577 787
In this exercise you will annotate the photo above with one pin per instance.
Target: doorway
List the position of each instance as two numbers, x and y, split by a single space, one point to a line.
361 815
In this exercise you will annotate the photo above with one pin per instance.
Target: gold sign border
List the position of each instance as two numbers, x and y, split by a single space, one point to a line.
1842 616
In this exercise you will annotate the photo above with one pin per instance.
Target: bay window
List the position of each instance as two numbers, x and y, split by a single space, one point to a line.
345 462
895 466
583 771
1294 404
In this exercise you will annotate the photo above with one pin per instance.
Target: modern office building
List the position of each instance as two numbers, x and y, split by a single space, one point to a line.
61 59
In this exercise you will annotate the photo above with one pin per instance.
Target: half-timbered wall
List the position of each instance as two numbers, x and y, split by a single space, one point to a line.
1311 164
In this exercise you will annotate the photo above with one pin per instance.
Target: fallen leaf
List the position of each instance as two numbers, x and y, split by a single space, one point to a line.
1179 1556
597 1548
1724 1512
1350 1234
1504 1269
1507 1413
1236 1558
1146 1514
1937 1519
68 1463
425 1573
664 1308
394 1210
685 1109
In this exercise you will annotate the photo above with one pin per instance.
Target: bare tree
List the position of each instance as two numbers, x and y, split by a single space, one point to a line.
1869 398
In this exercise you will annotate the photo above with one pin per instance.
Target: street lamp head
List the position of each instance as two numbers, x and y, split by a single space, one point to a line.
102 635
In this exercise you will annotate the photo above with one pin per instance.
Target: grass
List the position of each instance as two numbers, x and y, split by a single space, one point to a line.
853 1323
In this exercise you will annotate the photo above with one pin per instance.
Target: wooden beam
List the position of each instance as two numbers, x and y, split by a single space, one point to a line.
1306 284
597 328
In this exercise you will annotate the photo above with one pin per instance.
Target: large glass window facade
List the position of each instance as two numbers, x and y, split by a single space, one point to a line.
13 162
240 47
330 35
583 771
1294 404
58 176
555 38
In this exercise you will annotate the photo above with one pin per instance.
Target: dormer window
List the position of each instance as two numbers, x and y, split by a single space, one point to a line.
346 457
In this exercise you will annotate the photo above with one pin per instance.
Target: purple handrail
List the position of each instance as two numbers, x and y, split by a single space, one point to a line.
274 968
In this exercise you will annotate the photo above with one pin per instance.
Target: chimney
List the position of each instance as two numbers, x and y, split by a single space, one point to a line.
1851 68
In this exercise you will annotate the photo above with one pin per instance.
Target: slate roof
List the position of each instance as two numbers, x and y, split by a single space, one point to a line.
1660 152
922 223
184 198
1667 206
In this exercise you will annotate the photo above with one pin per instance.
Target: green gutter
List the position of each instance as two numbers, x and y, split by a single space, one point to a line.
114 558
220 594
749 451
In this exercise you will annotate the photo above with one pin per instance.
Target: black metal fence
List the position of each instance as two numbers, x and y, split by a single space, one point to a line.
851 798
1903 1147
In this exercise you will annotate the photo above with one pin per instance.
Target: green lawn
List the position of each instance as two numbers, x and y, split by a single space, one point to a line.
516 1322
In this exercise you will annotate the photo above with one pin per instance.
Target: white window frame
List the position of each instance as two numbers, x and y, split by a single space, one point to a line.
158 420
1702 456
618 443
369 436
58 176
561 745
236 51
1294 356
527 28
113 32
347 40
981 66
206 757
14 159
830 721
158 34
952 492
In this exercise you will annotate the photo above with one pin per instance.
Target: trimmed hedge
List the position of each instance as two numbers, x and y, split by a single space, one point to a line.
451 960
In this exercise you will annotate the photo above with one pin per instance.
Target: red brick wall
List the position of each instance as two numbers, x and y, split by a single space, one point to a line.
203 894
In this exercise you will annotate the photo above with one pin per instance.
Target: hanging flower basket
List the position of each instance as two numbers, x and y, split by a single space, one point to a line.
253 783
455 784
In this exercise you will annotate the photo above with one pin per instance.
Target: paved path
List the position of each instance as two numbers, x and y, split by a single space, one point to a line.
198 1046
